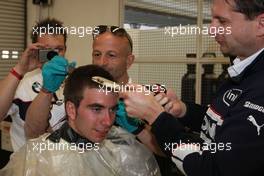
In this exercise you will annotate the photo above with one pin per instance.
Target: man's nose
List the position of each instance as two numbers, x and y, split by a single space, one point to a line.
213 27
108 119
103 61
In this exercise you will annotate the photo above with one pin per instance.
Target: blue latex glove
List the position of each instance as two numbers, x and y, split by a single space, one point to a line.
54 73
132 125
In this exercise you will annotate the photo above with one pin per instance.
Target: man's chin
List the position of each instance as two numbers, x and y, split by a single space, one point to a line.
100 137
112 72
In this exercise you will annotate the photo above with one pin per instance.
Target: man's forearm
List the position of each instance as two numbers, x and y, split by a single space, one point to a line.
147 138
37 117
8 88
194 116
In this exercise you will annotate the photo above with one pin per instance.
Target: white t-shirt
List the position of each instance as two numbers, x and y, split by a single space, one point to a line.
27 90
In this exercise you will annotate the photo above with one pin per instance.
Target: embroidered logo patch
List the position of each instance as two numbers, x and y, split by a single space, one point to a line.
36 87
254 122
231 96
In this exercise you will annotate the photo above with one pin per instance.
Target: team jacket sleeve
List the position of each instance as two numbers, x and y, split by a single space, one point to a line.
239 156
194 116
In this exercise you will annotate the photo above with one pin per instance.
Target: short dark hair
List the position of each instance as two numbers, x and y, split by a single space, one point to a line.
80 79
250 8
48 24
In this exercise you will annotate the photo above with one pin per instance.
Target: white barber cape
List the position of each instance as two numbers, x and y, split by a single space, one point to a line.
118 155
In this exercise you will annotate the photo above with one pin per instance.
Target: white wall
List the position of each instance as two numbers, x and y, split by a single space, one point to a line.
77 13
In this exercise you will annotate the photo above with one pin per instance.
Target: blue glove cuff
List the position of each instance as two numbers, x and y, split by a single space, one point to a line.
54 73
131 124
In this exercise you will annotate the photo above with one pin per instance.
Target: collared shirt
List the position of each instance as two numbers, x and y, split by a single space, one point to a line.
239 65
129 80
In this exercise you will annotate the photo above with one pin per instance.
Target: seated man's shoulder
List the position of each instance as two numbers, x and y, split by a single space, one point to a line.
127 152
122 140
117 131
40 138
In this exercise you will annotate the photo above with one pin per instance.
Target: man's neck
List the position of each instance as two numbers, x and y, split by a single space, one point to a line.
252 51
67 133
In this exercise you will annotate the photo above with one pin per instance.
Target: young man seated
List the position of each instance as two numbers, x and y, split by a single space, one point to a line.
87 143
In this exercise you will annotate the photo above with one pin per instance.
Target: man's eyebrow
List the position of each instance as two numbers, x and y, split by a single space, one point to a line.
220 18
96 105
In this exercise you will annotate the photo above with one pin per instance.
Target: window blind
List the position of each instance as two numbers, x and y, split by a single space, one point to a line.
12 33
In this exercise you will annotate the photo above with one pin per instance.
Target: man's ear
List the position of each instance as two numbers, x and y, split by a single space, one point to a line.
130 60
71 110
260 20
